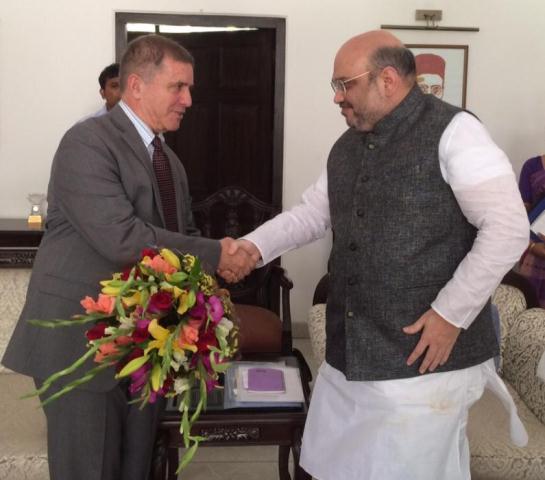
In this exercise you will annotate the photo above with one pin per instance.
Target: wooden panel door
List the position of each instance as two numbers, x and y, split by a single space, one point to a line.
226 137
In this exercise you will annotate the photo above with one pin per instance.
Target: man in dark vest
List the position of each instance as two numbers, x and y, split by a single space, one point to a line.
426 221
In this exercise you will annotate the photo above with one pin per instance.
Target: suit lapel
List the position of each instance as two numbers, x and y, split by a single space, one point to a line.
133 140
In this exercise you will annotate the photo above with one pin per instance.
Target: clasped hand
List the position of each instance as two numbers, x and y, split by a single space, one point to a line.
238 258
436 341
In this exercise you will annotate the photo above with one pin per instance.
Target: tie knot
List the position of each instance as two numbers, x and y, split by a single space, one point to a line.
156 142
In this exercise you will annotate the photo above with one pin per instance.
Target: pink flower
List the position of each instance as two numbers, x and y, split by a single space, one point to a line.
139 378
160 302
105 304
140 333
198 312
216 309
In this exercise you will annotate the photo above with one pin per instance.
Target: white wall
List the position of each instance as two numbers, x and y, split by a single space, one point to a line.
51 52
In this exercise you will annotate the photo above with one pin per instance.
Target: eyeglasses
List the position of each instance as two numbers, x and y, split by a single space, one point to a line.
340 85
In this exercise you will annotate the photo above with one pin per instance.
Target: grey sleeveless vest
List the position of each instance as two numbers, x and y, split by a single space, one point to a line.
398 236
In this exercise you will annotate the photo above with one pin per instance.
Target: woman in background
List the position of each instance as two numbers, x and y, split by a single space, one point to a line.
532 189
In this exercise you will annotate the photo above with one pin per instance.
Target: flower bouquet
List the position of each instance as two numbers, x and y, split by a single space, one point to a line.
163 324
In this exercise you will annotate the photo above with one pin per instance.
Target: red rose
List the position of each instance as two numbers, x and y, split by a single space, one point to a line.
127 271
96 331
140 333
149 252
206 340
160 302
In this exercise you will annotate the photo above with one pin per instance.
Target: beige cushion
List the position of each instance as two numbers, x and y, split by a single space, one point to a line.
493 457
22 432
511 303
316 330
13 287
524 347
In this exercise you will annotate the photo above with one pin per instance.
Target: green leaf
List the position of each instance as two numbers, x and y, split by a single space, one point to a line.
218 367
187 456
186 429
132 366
191 298
76 320
178 277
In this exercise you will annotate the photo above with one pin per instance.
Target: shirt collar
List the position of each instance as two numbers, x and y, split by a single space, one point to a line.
146 133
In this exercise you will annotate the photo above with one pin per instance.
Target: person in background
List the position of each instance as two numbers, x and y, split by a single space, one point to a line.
109 90
532 190
410 337
115 189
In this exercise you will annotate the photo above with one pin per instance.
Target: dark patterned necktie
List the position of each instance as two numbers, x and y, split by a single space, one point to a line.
161 166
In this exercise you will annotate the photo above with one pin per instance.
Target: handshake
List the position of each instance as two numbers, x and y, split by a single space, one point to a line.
238 259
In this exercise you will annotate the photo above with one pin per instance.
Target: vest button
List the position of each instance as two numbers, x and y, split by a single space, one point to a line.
371 146
353 246
349 314
352 281
364 178
360 212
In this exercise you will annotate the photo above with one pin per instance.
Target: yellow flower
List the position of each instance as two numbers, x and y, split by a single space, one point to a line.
132 300
160 335
170 257
185 301
111 287
156 377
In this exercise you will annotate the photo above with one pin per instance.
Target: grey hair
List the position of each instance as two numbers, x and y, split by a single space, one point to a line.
145 54
400 58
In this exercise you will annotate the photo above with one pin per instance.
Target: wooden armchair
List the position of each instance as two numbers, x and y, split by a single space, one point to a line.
262 300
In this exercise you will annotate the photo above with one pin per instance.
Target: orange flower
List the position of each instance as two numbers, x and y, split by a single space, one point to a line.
188 338
123 340
105 304
159 264
106 350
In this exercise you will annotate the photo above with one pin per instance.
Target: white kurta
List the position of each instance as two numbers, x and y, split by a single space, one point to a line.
415 428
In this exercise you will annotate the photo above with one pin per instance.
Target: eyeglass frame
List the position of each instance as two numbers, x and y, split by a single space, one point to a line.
340 85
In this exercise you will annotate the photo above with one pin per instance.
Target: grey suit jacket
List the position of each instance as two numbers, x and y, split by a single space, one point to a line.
104 207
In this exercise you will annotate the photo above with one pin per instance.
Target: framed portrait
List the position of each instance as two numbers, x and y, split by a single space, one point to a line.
441 70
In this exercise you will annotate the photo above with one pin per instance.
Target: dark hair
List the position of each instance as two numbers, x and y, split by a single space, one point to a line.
400 58
145 54
111 71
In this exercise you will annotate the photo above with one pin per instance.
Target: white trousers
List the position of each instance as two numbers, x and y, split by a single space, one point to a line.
406 429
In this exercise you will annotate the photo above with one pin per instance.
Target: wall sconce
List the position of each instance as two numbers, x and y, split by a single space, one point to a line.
431 17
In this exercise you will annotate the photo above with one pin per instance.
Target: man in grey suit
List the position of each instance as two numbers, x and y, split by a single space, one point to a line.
106 203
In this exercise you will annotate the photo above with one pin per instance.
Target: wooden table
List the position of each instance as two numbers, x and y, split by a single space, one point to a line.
18 243
236 427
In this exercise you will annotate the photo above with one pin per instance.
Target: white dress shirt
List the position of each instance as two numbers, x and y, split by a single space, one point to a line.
414 429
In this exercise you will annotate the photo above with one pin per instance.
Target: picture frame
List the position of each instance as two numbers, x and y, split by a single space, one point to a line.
442 70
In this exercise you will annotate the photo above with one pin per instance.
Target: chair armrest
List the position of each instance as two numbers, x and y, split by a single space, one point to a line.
278 276
316 330
510 302
524 347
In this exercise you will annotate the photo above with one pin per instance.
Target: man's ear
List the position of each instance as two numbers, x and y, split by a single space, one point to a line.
101 91
390 80
135 85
